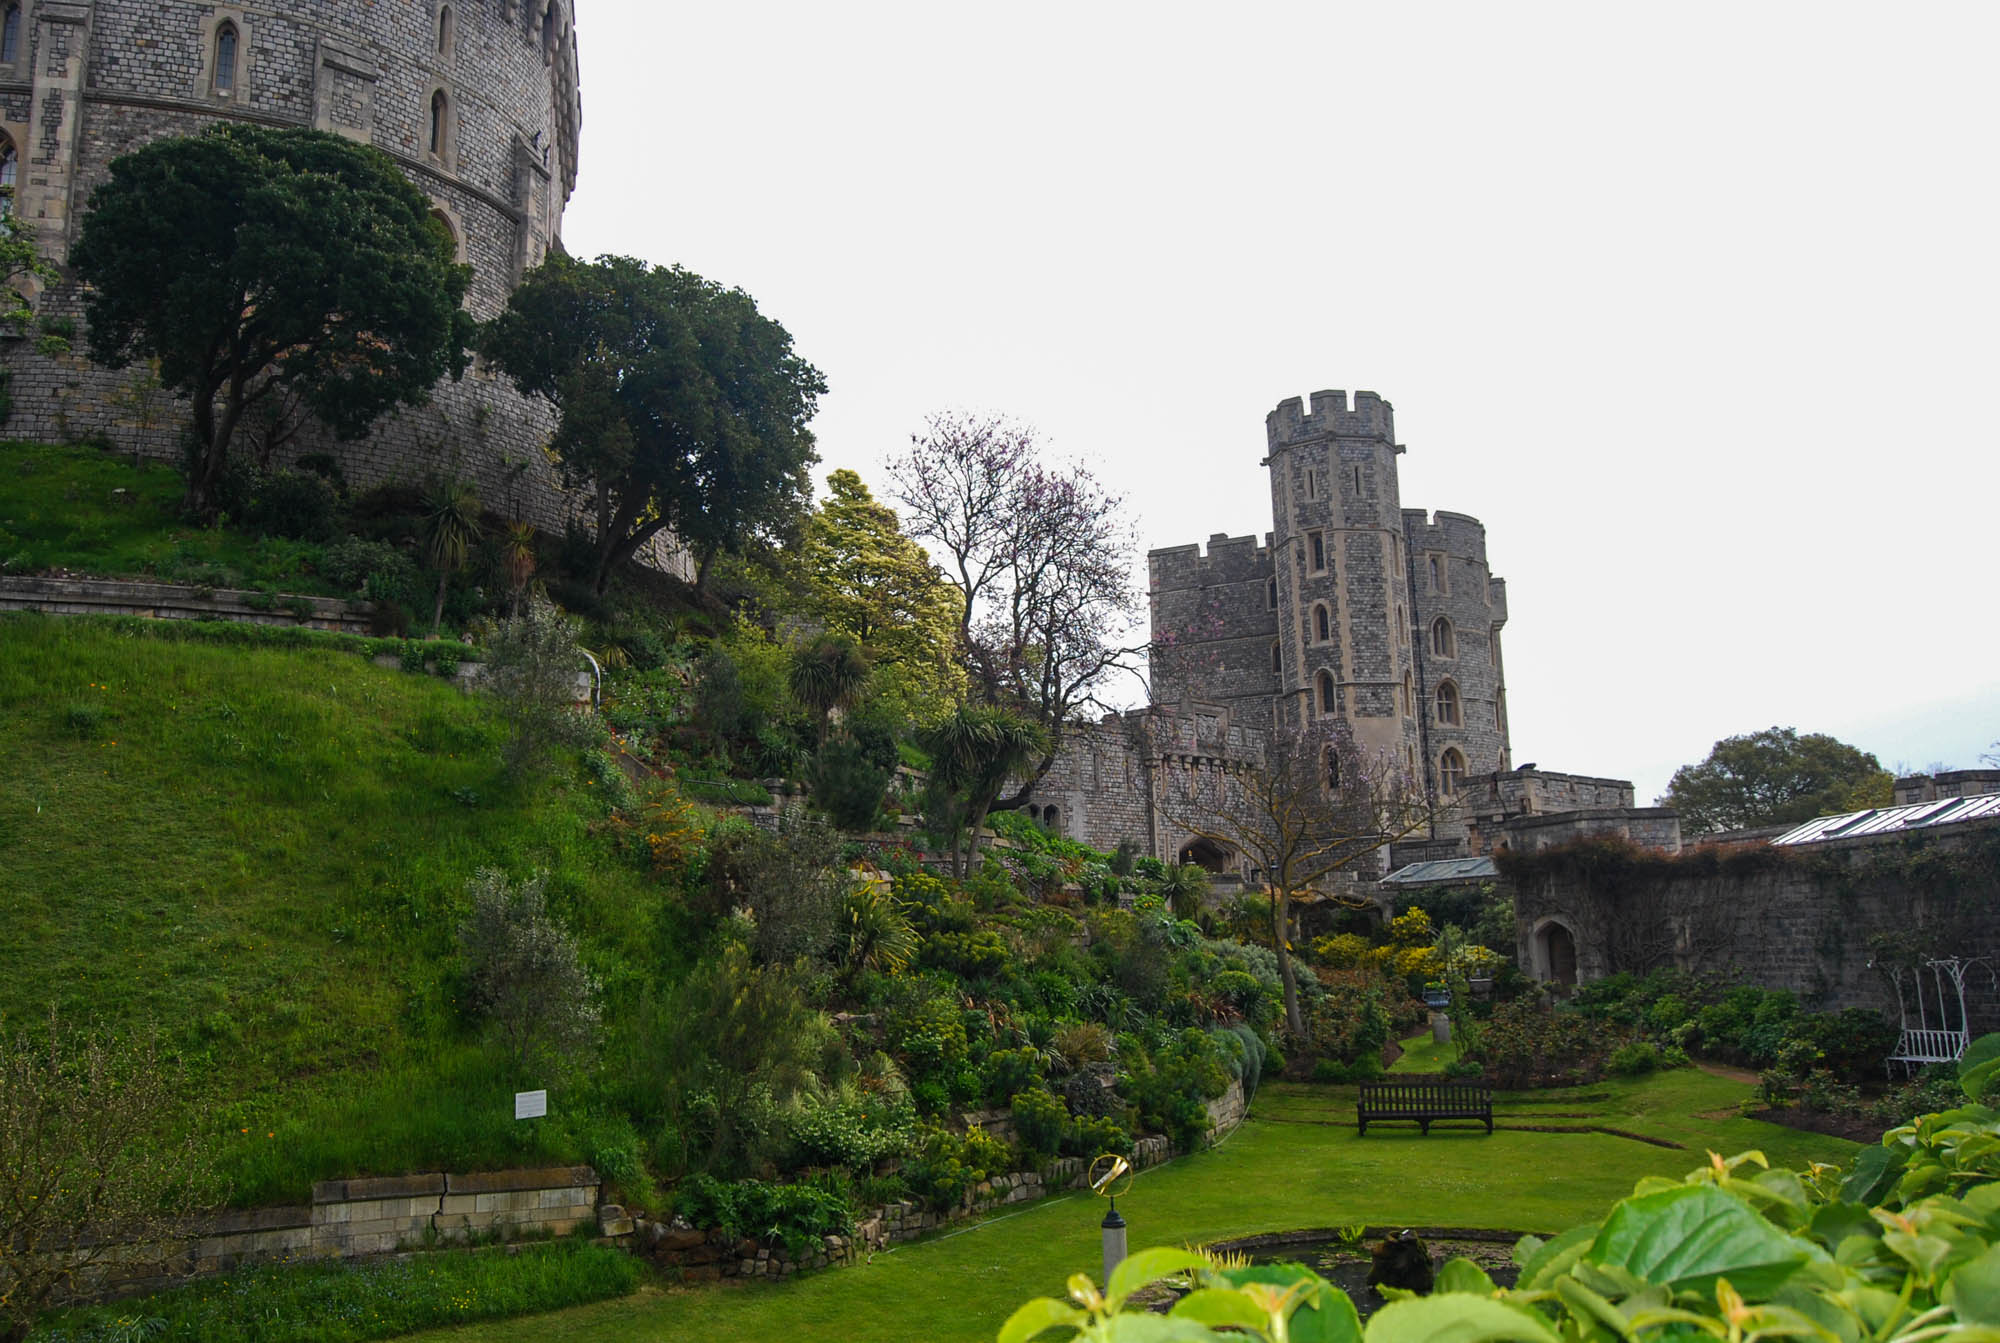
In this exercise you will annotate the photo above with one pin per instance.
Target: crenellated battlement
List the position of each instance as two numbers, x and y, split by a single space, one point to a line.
1229 559
1330 417
1451 533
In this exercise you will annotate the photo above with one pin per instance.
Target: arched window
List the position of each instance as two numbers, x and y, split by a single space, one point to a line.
1332 768
1317 542
10 35
1437 575
1442 643
1277 659
1327 694
440 120
1271 595
225 58
1451 773
1322 623
1409 695
10 172
1447 705
447 31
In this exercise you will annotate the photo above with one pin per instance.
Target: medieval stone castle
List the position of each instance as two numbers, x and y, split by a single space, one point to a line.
476 100
1352 608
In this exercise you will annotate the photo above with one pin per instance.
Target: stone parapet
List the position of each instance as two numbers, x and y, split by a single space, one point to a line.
165 601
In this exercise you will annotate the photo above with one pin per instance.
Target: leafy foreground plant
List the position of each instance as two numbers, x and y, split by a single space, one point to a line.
1904 1248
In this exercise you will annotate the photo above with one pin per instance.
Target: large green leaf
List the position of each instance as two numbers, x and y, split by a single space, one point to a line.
1324 1313
1043 1313
1135 1271
1551 1257
1687 1238
1142 1328
1220 1306
1834 1222
1874 1175
1974 1291
1977 1065
1462 1275
1458 1318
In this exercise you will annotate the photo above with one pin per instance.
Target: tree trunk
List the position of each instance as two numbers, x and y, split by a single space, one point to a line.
1281 921
437 612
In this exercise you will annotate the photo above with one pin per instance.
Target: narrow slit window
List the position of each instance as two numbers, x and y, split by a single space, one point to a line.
440 111
1437 575
1322 624
1312 483
1316 545
1271 595
446 30
1357 480
1277 660
10 35
1327 694
225 58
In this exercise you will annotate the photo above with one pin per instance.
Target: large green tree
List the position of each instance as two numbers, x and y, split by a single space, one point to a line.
864 577
269 267
680 405
1776 777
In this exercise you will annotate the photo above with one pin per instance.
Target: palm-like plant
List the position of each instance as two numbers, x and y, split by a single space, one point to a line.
972 753
879 934
451 529
1183 887
517 553
828 674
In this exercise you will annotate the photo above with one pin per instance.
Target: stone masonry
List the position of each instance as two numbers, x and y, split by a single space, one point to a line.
94 79
1351 607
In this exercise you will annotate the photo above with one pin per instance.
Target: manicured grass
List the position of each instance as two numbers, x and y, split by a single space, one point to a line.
81 508
340 1303
1297 1162
1422 1054
261 854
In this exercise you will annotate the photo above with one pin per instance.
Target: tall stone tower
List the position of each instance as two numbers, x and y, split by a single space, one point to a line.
476 100
1352 608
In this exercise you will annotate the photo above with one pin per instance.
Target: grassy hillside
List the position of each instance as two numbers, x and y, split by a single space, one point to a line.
261 852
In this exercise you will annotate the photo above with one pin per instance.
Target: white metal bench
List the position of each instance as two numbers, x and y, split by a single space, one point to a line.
1920 1048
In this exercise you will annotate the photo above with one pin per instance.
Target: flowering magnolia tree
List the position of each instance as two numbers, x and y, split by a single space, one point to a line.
1315 804
1043 561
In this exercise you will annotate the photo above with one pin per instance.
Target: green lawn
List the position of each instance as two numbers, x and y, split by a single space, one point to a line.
261 853
1422 1054
1296 1162
95 512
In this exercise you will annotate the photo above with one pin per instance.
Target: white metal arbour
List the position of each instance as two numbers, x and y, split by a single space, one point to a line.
1941 1030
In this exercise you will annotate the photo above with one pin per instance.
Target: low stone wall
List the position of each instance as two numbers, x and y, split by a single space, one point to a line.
351 1219
164 601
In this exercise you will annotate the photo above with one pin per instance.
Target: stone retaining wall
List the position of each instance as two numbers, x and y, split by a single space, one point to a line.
349 1219
165 601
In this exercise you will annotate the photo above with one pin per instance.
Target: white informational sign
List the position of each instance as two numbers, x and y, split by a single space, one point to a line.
531 1104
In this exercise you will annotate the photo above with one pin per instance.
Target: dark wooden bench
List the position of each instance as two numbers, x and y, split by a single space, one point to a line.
1424 1102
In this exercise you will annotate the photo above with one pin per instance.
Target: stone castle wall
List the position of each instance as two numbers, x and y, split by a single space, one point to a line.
99 78
1807 918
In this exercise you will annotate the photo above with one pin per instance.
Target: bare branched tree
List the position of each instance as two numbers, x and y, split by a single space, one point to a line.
89 1169
1316 804
1042 556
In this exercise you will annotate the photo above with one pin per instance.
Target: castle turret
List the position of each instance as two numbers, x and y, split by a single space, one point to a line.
1459 608
1339 566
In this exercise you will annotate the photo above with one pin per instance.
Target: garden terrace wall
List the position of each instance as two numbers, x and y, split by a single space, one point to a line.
349 1219
163 601
1808 918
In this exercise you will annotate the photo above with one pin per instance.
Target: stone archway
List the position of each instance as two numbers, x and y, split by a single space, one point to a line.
1553 952
1205 854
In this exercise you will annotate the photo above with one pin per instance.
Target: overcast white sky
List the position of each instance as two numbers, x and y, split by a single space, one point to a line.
1693 305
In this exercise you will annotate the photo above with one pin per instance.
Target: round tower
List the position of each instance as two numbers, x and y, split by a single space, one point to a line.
1343 607
476 100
